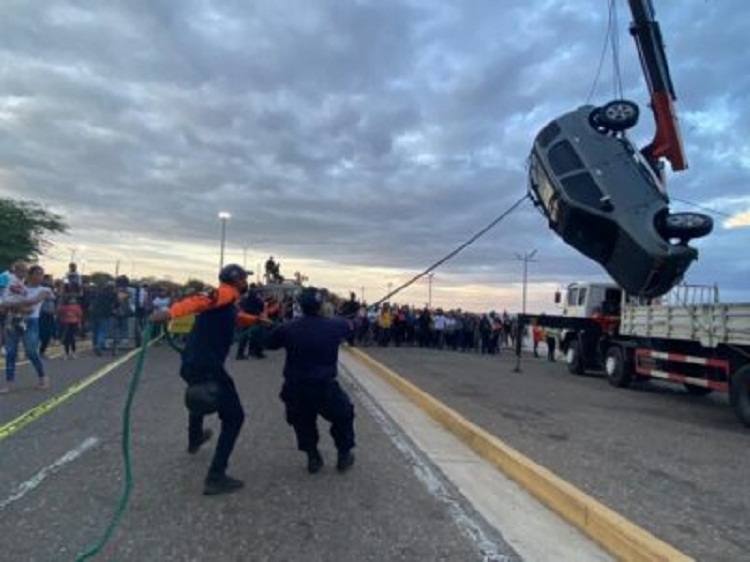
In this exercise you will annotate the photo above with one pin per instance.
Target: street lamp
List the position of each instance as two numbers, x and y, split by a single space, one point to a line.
526 258
224 216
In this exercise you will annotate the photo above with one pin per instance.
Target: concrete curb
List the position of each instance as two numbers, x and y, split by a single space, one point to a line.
617 535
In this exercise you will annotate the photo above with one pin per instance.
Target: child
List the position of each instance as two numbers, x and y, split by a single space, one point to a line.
13 297
70 315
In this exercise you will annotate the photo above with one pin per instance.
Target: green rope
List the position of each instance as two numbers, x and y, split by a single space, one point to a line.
94 549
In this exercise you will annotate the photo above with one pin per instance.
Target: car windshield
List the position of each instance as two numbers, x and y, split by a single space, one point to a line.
545 188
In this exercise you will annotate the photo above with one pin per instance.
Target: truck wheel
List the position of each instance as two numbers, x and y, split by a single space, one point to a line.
574 358
618 371
739 394
696 390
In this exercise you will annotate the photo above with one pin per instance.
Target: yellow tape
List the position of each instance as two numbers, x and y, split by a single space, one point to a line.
35 413
182 325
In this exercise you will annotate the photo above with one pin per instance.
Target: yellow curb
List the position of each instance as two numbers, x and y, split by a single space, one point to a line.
617 535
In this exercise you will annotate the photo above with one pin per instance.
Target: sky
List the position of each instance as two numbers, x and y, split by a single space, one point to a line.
357 142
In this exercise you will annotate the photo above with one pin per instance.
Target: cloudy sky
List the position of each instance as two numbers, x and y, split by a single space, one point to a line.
355 141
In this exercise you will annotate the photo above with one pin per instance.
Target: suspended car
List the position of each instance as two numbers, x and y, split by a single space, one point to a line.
603 198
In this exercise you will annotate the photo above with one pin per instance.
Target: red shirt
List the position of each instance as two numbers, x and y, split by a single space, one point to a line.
69 313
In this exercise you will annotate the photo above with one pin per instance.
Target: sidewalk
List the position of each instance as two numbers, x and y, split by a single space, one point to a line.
532 530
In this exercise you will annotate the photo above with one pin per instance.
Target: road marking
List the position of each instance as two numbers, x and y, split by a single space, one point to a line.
423 470
38 411
39 477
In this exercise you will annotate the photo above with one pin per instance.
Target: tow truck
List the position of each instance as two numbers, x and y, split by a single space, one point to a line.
608 200
687 337
605 197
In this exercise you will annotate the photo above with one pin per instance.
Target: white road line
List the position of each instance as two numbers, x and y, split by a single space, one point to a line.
39 477
435 484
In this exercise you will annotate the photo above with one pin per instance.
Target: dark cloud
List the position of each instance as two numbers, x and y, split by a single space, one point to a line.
370 134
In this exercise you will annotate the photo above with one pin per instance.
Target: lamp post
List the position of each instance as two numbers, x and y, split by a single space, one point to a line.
526 258
224 216
429 290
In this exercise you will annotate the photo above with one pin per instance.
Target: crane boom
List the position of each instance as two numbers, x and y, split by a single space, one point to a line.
667 141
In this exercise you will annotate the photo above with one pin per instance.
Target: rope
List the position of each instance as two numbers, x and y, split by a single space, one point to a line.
702 207
94 549
470 241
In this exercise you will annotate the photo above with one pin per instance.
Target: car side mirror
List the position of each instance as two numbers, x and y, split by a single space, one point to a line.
605 204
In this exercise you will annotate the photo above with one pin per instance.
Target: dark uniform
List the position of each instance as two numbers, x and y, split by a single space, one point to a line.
310 386
206 350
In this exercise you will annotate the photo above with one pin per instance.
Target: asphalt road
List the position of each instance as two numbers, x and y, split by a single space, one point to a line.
62 476
673 463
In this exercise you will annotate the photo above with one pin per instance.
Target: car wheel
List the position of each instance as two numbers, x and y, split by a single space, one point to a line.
739 394
574 358
686 226
618 371
617 115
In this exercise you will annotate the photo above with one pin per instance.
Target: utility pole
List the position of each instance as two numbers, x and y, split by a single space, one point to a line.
224 216
526 258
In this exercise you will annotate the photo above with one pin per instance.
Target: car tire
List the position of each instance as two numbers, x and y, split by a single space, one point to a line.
616 368
739 394
617 115
574 358
686 226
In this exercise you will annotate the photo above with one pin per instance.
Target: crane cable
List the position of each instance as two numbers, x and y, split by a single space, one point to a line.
609 39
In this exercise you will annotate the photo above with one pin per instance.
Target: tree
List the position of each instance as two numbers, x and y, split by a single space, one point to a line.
100 278
195 286
23 227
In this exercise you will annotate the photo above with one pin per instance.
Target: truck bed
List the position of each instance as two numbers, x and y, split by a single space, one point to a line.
710 324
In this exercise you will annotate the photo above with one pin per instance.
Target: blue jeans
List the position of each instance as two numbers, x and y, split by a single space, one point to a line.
30 340
99 332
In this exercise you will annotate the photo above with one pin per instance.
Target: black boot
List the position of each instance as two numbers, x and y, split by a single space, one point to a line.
314 461
221 484
345 461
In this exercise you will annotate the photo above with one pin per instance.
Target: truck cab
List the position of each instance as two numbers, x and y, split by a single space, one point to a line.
585 300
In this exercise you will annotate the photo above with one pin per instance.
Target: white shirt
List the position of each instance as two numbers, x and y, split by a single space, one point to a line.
33 292
161 303
439 322
15 292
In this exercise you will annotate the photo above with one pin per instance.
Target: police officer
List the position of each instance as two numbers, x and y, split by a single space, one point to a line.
210 388
310 386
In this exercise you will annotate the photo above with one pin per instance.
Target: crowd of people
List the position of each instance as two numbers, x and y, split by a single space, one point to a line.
37 310
403 325
309 323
